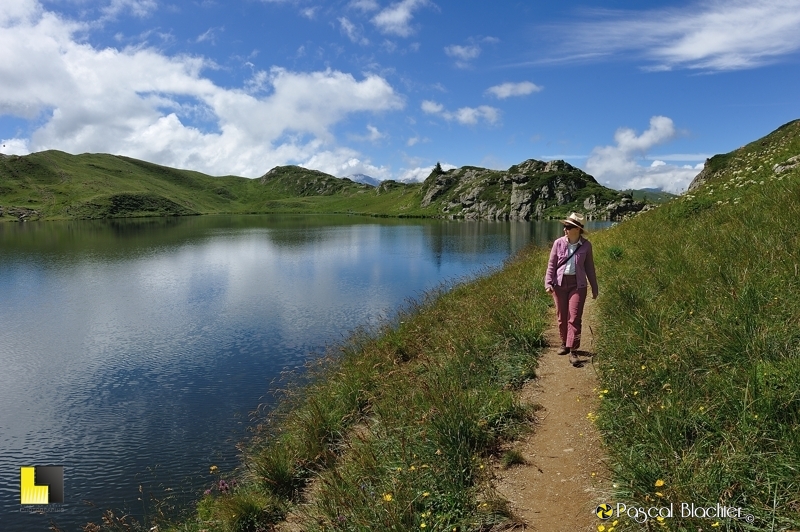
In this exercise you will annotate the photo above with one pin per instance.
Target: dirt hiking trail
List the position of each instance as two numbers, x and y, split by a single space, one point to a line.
565 477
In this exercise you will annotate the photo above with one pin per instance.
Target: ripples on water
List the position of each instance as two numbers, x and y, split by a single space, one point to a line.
132 351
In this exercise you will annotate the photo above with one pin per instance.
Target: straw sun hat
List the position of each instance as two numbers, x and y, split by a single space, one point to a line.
575 219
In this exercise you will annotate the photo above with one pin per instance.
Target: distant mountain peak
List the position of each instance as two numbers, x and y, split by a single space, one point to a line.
365 179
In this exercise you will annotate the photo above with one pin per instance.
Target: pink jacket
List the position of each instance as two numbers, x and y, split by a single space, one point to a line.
584 264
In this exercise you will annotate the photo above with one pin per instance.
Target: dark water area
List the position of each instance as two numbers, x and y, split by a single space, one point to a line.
133 351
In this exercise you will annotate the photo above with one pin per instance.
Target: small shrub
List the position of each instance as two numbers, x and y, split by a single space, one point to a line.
512 458
614 252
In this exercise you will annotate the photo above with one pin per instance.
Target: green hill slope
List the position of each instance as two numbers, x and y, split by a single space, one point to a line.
57 185
700 343
649 194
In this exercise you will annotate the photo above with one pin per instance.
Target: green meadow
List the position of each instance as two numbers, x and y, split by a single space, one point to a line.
699 346
58 185
698 352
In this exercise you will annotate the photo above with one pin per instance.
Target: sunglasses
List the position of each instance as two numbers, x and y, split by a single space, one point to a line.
568 227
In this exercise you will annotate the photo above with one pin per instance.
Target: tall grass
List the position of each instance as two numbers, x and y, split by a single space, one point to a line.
700 346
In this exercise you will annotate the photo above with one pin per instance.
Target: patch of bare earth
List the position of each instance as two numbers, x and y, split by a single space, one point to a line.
565 477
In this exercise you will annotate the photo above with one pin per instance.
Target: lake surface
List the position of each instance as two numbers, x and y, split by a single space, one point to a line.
133 351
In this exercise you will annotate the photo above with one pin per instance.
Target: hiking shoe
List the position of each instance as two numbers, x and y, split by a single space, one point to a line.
574 360
564 351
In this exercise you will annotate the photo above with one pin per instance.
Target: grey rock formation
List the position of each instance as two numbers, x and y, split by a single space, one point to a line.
440 185
525 191
789 164
705 174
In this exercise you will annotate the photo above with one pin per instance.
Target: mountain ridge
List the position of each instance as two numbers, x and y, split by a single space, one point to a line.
57 185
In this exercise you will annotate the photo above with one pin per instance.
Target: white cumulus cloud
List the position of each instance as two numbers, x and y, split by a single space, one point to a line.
463 54
418 174
344 162
507 90
373 135
432 107
396 19
617 167
144 104
14 147
464 115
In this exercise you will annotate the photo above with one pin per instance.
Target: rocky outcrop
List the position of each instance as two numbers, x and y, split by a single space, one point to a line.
386 186
530 190
441 184
705 174
20 213
300 181
790 164
624 208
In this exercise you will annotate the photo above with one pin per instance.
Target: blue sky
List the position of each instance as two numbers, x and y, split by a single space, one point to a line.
638 94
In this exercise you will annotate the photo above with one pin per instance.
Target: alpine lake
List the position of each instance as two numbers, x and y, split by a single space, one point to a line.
133 351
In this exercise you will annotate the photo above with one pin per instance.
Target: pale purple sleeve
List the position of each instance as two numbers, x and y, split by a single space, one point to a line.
550 275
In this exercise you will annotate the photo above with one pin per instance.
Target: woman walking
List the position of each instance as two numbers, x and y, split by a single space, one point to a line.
571 263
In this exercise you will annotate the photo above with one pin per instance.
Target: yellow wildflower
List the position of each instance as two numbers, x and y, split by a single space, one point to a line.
387 497
659 483
422 525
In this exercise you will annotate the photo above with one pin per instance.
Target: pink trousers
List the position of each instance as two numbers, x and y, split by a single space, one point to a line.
569 301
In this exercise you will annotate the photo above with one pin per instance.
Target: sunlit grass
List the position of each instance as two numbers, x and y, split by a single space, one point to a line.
700 345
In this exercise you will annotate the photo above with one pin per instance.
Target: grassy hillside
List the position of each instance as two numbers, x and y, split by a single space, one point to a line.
650 195
700 343
57 185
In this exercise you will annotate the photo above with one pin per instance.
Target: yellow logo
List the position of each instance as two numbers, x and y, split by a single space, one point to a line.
41 484
604 511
